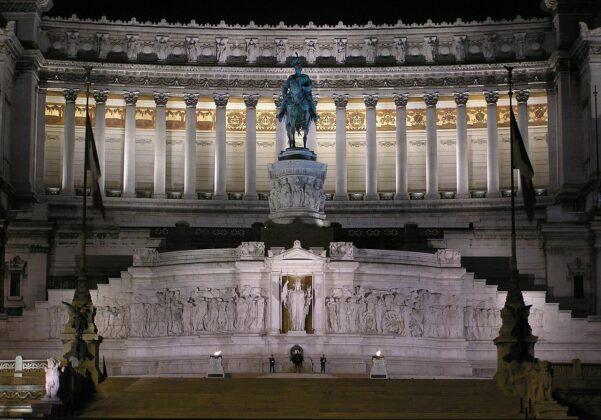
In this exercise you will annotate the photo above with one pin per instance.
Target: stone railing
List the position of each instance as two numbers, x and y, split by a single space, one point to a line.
576 370
19 367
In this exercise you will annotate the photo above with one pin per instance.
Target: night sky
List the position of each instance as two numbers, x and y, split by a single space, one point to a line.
298 12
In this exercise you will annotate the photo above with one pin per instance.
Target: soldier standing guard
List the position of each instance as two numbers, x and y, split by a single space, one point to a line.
271 364
322 362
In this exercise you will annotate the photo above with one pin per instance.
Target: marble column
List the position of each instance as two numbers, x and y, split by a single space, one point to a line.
521 96
220 146
431 99
40 140
341 102
492 148
250 156
281 140
461 160
160 144
371 145
68 187
101 96
400 100
552 140
191 99
312 135
129 146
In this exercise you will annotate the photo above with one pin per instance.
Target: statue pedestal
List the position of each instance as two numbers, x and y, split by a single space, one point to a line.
215 368
297 189
378 368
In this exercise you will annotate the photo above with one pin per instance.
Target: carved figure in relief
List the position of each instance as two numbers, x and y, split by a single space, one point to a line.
370 50
162 47
72 44
132 47
399 49
192 49
280 51
430 47
252 50
297 301
298 197
341 50
460 47
297 107
285 193
103 45
489 47
311 51
221 47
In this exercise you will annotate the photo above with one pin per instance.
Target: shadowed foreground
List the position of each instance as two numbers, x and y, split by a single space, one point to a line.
335 398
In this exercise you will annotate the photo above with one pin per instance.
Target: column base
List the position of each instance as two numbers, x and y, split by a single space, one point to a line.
192 196
159 195
401 196
250 197
493 194
341 197
432 196
220 197
462 195
371 197
128 195
69 192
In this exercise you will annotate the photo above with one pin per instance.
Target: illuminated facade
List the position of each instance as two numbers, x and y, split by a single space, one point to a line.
413 127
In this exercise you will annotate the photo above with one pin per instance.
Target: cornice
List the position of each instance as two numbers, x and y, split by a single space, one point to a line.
133 22
62 73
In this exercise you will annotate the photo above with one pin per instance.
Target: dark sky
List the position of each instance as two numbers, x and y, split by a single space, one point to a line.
298 12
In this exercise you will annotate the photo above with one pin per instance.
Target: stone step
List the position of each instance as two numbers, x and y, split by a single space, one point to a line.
282 397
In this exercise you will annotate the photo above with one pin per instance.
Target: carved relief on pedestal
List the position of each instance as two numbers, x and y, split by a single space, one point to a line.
342 250
145 257
201 310
251 250
408 313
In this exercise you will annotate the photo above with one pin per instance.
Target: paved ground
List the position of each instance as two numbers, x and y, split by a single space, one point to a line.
289 398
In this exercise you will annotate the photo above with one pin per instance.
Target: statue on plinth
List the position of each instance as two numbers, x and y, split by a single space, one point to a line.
298 302
297 105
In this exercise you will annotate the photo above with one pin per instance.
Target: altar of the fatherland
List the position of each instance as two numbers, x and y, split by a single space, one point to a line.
379 240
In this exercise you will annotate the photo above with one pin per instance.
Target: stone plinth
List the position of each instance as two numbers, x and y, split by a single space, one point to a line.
215 368
378 368
297 189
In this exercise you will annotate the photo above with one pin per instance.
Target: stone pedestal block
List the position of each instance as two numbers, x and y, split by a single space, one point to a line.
378 368
297 189
215 368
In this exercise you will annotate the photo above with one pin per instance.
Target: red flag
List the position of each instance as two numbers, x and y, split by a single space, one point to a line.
521 161
93 166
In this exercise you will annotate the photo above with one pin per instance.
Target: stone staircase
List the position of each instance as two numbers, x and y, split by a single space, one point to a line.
288 398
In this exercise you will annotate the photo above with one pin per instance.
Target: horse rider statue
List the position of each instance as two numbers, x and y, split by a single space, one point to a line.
297 104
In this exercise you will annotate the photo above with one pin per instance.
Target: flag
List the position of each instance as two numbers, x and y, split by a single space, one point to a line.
93 165
521 161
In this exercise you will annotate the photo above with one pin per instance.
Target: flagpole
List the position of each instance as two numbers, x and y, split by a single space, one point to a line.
596 133
82 291
514 263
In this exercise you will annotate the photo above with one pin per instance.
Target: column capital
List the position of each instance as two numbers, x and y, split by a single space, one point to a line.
251 100
221 99
371 100
341 101
401 99
191 99
461 98
491 96
130 97
100 95
277 99
522 95
70 94
161 98
315 98
431 99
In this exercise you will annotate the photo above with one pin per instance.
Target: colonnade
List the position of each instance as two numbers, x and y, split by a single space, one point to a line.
250 100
